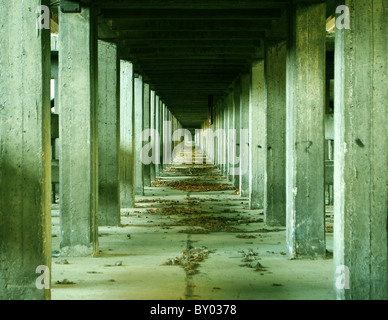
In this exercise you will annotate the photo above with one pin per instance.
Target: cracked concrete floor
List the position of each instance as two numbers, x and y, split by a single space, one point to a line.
135 259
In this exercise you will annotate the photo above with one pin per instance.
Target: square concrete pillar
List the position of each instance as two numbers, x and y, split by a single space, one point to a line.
236 127
153 127
275 190
216 141
171 130
167 133
221 148
161 131
226 140
127 136
244 125
146 126
138 128
361 153
108 134
174 128
78 161
158 131
306 56
231 141
220 138
257 136
25 161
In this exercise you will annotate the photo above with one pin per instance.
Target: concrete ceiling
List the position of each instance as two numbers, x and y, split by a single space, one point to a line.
190 52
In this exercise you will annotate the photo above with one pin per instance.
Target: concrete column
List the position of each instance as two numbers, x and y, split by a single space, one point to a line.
236 126
231 146
220 143
161 128
174 128
108 135
153 127
167 132
25 162
244 125
305 131
216 140
224 150
127 136
78 163
146 125
275 191
257 136
171 119
164 118
360 158
220 139
226 144
138 128
158 130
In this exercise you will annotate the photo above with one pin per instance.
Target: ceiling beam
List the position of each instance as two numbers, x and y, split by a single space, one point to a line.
190 35
188 25
161 43
196 51
192 14
193 4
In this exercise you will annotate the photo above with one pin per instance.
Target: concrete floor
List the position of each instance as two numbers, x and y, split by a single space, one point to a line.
140 260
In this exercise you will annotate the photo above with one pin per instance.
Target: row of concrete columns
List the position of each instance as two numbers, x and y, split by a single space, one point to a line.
103 109
284 98
282 102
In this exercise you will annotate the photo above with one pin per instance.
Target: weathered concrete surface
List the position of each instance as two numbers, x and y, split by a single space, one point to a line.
153 127
108 135
306 55
244 125
158 138
257 136
25 157
127 136
275 190
138 128
78 133
224 164
161 132
236 126
361 146
146 126
167 135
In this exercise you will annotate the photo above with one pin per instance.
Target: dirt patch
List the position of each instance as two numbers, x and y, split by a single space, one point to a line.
190 259
194 186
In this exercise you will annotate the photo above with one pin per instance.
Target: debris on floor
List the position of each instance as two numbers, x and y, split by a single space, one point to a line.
190 259
250 258
194 186
246 236
163 218
116 264
64 281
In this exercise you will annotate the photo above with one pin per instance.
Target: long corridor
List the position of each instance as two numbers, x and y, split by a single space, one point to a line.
190 237
284 103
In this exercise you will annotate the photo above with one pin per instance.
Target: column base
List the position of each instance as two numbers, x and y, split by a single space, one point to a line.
77 251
